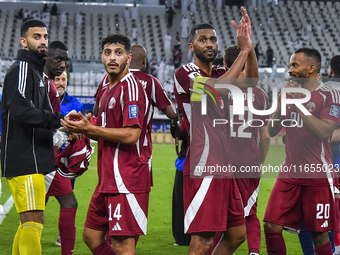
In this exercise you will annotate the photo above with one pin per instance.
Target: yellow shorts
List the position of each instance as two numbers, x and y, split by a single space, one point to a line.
28 192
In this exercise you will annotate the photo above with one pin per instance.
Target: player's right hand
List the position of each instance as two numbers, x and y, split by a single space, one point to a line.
76 123
293 84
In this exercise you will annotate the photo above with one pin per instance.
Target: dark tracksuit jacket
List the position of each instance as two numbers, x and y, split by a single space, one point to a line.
27 119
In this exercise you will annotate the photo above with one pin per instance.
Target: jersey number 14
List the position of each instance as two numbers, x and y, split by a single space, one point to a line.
116 213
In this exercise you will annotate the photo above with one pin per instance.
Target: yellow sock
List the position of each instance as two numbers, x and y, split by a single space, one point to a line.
15 247
30 237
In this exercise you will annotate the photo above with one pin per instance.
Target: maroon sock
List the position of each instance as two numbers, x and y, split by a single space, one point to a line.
104 249
67 230
325 249
253 233
275 243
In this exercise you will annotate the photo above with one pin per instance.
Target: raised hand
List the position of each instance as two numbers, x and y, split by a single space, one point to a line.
242 35
293 84
246 19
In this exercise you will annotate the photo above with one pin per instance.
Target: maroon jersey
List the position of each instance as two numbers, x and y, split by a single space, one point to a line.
156 96
204 136
244 133
304 150
52 93
102 86
123 168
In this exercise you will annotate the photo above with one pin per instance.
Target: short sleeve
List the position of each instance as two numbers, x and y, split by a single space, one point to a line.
134 105
331 107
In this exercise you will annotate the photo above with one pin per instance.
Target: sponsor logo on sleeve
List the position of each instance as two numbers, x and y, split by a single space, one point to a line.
334 111
193 75
133 111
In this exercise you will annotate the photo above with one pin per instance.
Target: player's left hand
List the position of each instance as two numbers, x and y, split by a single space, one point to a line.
76 123
73 115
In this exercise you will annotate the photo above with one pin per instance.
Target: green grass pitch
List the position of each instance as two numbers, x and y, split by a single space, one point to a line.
159 239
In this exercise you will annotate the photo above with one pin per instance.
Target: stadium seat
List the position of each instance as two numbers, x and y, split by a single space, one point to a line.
159 136
168 137
77 79
153 135
273 141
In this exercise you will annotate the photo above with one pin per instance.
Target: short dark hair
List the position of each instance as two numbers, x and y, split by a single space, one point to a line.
230 55
30 23
313 54
117 38
218 61
198 27
335 64
57 45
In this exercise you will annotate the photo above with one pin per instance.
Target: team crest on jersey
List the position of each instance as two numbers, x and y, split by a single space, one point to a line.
311 106
112 103
133 111
334 111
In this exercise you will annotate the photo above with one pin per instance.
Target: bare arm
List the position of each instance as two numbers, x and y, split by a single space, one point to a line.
251 69
336 136
80 124
169 112
264 143
322 128
244 41
95 109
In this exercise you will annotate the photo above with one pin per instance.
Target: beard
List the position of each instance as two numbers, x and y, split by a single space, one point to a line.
36 51
200 55
121 68
301 77
60 93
